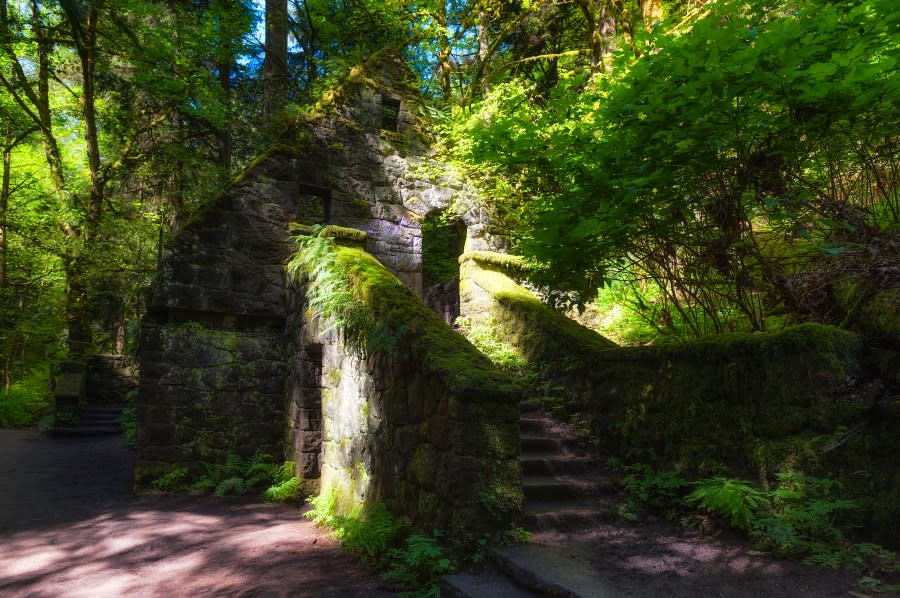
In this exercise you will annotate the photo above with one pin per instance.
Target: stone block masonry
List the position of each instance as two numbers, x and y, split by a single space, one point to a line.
424 424
232 360
757 404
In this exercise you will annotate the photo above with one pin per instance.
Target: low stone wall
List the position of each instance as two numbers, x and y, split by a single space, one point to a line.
756 404
67 382
215 391
424 424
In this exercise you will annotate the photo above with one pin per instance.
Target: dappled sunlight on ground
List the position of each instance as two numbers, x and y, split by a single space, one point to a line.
69 529
181 546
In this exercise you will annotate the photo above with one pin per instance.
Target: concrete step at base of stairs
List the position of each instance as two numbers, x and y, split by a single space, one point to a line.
490 582
82 430
552 571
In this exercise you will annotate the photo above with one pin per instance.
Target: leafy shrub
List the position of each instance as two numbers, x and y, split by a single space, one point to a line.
420 563
733 499
174 480
128 420
803 517
23 402
658 490
373 533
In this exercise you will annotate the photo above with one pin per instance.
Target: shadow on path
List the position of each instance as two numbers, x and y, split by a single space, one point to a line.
69 528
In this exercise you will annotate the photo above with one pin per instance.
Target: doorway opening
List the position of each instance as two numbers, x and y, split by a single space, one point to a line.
443 241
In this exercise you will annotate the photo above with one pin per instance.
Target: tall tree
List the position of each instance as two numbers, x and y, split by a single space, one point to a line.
276 61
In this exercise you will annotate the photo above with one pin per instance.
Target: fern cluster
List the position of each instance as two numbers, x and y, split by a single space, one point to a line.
285 486
329 292
371 532
802 516
236 477
734 499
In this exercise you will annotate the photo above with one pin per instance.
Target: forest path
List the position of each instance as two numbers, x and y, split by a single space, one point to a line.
69 527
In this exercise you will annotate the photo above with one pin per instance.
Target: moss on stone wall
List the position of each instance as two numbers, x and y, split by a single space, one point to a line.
445 354
442 430
748 403
501 261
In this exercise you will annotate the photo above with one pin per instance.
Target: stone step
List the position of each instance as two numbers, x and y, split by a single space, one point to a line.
529 406
109 410
535 424
82 430
560 487
541 443
99 418
551 571
538 464
566 516
489 582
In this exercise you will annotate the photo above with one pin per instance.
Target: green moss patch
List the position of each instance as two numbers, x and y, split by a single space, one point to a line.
501 261
425 336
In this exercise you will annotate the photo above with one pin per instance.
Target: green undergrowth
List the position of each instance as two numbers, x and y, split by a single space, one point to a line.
412 561
375 312
237 476
128 419
798 516
26 400
637 313
485 338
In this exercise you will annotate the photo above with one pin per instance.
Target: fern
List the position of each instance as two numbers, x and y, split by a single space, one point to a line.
173 480
368 535
731 498
285 485
330 293
803 519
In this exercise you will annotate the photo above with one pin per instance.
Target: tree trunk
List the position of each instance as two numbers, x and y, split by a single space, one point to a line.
87 53
276 73
224 136
483 47
4 202
652 11
77 310
595 39
444 65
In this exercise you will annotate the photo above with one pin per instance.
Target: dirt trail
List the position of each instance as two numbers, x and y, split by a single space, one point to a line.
69 527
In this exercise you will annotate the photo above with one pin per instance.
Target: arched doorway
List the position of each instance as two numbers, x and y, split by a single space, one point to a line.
443 241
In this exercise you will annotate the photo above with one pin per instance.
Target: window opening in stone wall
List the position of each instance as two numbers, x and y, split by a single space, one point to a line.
390 113
314 204
443 241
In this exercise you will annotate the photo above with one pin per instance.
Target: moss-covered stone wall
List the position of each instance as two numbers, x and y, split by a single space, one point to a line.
751 404
424 423
208 391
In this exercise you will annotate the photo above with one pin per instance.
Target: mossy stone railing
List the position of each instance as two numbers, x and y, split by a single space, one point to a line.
754 404
439 435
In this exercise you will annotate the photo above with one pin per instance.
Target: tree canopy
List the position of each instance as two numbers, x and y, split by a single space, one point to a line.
713 156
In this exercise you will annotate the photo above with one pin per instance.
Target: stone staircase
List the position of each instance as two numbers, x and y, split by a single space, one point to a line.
566 494
90 421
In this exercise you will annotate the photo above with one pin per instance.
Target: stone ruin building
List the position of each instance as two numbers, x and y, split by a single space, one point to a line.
231 361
